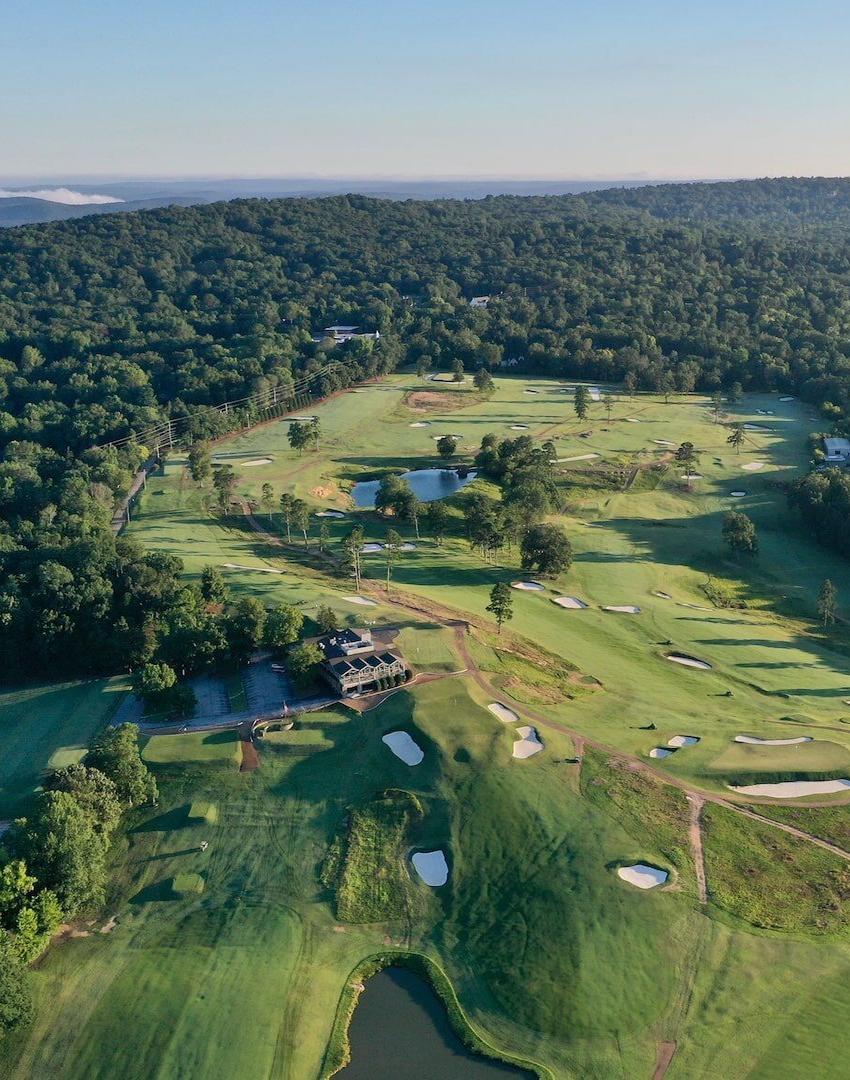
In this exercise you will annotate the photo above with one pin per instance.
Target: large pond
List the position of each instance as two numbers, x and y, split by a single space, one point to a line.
400 1029
428 484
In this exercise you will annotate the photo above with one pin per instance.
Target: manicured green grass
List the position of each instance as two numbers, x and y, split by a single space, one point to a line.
552 956
47 727
235 692
815 758
187 884
772 879
365 865
203 811
209 747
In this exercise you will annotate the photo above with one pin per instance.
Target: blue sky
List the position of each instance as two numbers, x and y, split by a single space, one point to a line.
376 88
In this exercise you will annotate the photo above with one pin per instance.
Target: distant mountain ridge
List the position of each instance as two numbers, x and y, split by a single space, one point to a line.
148 194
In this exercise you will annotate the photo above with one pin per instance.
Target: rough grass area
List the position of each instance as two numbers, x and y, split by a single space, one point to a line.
652 812
365 863
530 679
770 878
828 823
201 747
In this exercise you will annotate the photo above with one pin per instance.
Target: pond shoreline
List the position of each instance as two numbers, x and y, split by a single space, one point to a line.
338 1053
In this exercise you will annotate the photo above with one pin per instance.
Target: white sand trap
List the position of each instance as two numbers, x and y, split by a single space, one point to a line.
683 740
794 789
330 513
437 438
663 595
751 740
519 427
531 391
689 661
528 586
692 476
622 609
370 549
419 423
595 393
755 427
361 600
569 602
786 398
528 744
753 466
578 457
737 494
303 419
660 752
642 876
432 867
403 746
632 420
406 547
257 461
663 442
258 569
506 715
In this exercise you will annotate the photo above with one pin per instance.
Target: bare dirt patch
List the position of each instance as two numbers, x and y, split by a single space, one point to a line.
322 492
437 401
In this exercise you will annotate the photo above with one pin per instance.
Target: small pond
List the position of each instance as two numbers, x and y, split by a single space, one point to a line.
400 1029
428 485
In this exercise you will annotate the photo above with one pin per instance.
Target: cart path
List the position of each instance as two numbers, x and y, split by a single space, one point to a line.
666 1050
695 836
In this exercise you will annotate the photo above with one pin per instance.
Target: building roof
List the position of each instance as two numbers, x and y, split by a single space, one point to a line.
341 329
837 446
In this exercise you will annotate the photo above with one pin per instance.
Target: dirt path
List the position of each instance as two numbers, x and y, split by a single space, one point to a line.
695 837
665 1055
250 757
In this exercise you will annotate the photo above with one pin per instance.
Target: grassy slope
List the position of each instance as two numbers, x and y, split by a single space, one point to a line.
45 727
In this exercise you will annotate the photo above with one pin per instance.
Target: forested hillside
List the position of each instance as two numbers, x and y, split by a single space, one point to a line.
110 323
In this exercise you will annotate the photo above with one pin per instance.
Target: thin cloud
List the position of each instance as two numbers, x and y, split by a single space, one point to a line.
60 195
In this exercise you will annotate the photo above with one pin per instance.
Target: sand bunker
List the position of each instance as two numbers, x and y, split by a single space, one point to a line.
528 586
660 752
595 393
370 549
642 876
578 457
786 398
330 513
753 466
688 661
568 602
432 867
437 438
683 740
529 391
406 547
737 494
303 418
663 595
692 476
528 744
755 427
752 740
793 789
420 423
258 569
403 746
257 461
361 600
632 420
622 609
519 427
663 442
506 715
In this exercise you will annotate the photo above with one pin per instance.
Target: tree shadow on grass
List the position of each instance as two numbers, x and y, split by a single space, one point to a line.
157 893
167 822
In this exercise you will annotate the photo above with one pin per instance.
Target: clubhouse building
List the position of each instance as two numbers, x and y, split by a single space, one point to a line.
354 665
